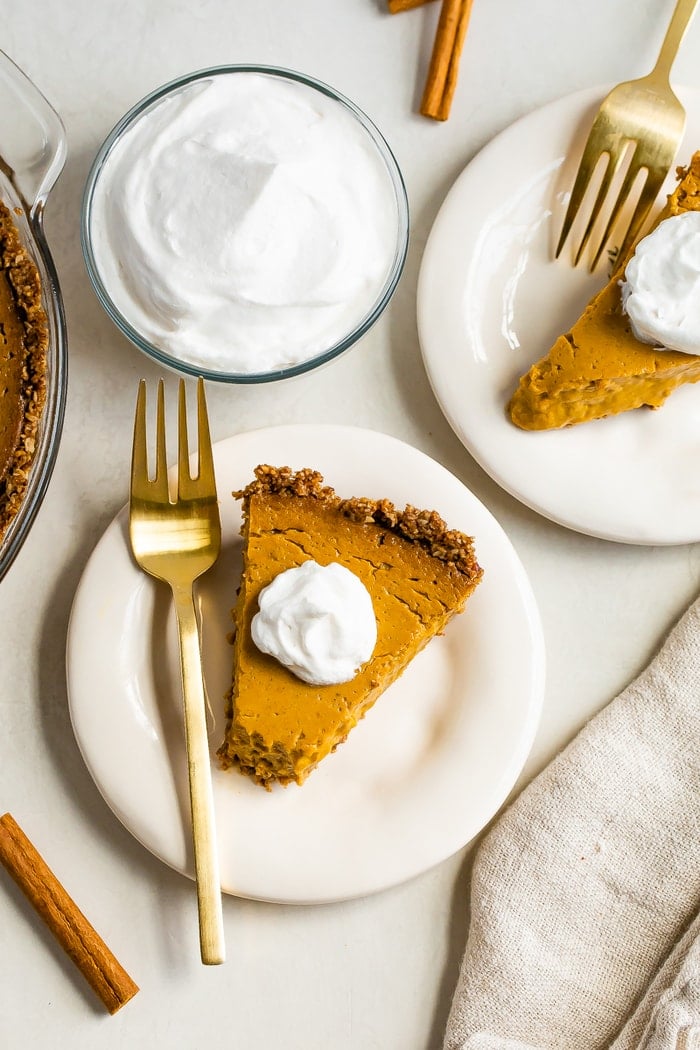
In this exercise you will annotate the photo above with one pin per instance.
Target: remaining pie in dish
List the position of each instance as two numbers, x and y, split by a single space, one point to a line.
600 368
23 346
419 575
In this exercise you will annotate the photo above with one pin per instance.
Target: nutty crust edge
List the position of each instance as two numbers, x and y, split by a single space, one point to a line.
26 286
425 527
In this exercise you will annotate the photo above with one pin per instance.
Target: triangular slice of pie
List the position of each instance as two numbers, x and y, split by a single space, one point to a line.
600 368
419 575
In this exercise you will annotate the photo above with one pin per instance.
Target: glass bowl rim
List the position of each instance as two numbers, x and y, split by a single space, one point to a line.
133 114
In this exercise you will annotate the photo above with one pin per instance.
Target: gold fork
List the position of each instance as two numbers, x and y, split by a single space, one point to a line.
176 541
644 114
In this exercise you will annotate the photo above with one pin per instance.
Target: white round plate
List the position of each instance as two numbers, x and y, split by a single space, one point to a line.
417 779
491 301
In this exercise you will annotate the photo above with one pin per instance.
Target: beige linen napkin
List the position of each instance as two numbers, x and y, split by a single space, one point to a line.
585 897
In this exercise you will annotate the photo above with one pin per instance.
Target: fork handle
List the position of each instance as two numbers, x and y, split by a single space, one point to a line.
680 19
206 861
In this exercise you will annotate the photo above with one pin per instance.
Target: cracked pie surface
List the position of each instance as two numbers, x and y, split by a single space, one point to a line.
419 575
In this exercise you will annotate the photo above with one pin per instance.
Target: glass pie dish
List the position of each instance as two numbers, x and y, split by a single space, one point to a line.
133 293
32 154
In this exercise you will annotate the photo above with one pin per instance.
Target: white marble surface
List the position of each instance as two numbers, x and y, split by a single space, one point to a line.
377 972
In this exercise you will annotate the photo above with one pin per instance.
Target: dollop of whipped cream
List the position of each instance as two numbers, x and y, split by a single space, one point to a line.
245 223
661 288
318 621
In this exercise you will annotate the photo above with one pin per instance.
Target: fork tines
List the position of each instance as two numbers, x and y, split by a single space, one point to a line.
616 155
642 114
203 480
189 486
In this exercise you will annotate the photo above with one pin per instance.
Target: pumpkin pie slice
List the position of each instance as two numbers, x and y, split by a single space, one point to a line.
23 347
600 368
418 572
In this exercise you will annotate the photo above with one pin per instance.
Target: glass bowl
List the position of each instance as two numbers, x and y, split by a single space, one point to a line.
364 318
32 154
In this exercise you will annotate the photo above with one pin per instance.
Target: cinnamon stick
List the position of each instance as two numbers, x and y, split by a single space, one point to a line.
69 926
444 62
395 6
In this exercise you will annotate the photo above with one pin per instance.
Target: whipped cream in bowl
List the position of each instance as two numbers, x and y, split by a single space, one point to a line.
244 223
